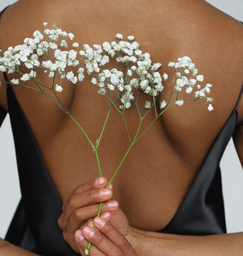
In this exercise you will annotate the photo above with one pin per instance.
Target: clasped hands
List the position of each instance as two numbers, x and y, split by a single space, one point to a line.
112 235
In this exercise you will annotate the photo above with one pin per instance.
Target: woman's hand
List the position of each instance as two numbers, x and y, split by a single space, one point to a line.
83 205
106 240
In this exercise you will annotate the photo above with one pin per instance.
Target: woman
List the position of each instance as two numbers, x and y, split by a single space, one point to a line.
174 185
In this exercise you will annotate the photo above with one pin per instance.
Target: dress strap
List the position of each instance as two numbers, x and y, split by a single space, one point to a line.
6 78
3 11
239 98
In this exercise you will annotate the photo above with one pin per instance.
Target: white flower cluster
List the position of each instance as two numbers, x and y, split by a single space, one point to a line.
187 77
138 72
29 53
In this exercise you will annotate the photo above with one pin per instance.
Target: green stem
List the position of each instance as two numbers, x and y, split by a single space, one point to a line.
140 123
93 147
153 122
124 120
119 165
103 128
98 162
155 107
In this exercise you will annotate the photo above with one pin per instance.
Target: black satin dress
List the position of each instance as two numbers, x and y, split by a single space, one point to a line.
34 226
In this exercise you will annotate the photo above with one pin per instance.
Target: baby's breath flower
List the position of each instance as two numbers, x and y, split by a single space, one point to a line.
128 88
156 66
58 88
119 36
189 89
15 81
111 87
53 45
200 78
94 80
40 52
194 71
25 77
38 34
179 102
147 104
144 84
114 79
45 24
80 77
33 73
165 76
130 38
106 46
102 91
206 89
107 73
71 36
72 54
210 107
51 74
3 68
75 45
171 64
192 82
163 104
129 72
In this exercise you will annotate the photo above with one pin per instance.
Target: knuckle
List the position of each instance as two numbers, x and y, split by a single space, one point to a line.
72 202
92 194
90 184
76 215
98 238
76 190
124 244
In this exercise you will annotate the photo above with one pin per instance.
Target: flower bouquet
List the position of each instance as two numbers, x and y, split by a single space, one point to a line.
52 54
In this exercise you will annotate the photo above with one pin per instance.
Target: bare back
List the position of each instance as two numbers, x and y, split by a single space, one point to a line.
160 168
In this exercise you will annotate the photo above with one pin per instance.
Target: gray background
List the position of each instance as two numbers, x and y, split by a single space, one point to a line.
231 168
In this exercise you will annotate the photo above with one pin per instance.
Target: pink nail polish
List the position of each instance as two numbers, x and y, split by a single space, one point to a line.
99 181
89 232
112 205
99 222
105 216
105 193
78 236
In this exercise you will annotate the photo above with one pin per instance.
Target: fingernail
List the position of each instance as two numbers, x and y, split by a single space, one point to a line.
89 232
112 205
105 215
99 181
78 235
99 222
90 223
105 192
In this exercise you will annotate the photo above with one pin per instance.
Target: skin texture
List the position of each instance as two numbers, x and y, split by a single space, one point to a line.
161 167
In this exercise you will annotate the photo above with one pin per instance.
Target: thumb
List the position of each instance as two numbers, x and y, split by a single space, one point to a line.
119 221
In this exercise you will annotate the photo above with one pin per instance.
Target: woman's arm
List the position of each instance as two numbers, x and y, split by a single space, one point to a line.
151 243
106 239
7 249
